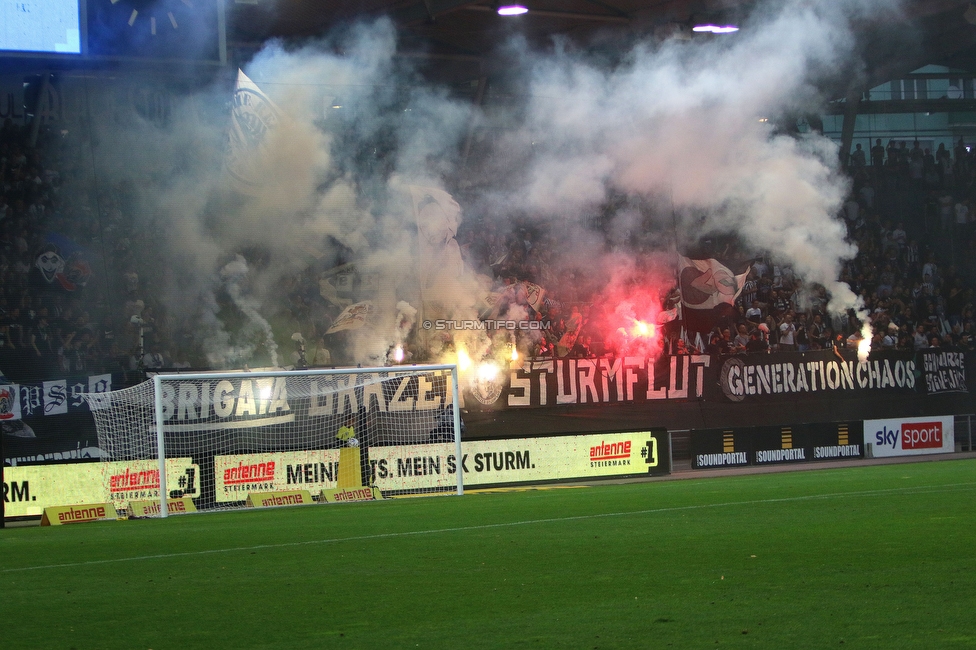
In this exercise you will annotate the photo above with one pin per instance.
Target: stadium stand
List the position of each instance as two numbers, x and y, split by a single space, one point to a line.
77 295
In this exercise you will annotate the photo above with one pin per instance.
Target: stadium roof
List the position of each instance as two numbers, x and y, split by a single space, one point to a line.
461 37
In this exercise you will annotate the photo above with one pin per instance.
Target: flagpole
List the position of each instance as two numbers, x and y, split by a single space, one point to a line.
683 332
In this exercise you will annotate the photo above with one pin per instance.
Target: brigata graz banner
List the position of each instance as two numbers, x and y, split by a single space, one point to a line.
723 379
306 411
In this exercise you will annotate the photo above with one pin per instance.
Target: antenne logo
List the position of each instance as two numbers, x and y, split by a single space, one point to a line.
610 451
134 479
244 473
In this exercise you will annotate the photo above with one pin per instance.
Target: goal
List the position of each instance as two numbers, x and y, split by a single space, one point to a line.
223 440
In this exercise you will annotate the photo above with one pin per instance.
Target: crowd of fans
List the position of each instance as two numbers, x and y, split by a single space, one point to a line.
910 211
54 321
914 293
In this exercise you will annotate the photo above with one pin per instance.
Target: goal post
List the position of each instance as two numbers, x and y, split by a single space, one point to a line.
218 438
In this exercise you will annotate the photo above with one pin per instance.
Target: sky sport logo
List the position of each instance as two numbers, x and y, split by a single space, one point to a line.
921 435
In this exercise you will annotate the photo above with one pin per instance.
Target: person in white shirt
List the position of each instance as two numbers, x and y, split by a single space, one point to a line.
787 333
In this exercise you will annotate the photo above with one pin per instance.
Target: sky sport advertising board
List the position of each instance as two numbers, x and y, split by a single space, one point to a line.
28 490
423 466
910 436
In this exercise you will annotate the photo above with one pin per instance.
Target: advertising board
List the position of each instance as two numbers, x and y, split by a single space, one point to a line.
741 446
521 460
910 436
28 490
435 465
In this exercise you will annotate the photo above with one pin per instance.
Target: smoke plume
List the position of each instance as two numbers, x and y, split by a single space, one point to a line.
686 131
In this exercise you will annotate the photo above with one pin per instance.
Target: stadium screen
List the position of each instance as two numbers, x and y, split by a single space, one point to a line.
49 26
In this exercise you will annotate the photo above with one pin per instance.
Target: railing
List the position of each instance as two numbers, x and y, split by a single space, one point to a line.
964 432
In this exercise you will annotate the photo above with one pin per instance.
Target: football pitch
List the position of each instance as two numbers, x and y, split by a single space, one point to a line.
866 557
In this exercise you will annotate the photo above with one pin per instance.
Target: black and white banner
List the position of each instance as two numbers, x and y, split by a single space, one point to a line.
741 446
55 397
720 379
751 377
943 371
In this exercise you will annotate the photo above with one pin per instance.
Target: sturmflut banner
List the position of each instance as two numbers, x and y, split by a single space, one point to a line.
721 379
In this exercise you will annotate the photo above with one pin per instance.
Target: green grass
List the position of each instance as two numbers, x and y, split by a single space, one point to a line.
869 557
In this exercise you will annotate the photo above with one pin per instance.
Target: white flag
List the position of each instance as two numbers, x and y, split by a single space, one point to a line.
253 118
440 265
706 284
352 317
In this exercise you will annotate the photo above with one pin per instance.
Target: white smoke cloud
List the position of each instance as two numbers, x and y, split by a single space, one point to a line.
694 122
233 275
676 125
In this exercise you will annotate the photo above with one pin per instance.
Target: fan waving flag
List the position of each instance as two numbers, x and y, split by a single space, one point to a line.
253 119
534 295
708 290
440 265
352 317
706 284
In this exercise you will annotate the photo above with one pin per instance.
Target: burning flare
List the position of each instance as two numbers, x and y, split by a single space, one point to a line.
642 329
864 345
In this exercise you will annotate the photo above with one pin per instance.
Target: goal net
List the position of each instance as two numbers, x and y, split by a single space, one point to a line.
223 440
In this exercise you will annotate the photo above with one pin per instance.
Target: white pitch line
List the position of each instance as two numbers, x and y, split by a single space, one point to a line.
435 531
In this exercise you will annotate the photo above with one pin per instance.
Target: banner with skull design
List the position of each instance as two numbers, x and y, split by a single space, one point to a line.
60 266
